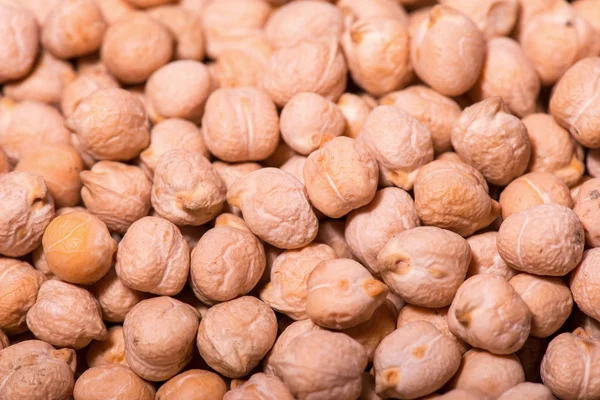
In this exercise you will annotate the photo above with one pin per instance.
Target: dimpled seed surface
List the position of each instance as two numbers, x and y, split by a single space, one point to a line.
111 381
194 384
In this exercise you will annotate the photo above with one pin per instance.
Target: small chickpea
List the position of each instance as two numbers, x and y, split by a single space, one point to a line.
187 190
109 351
493 18
340 177
276 208
485 259
487 374
159 337
322 364
185 27
260 386
83 86
583 284
355 110
375 329
545 240
66 315
234 336
586 208
295 166
240 125
132 38
115 299
528 391
534 189
194 384
20 33
448 51
111 381
454 196
331 233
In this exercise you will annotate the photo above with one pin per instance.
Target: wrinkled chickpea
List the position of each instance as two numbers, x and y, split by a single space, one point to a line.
20 34
485 259
193 384
111 381
115 299
83 86
109 351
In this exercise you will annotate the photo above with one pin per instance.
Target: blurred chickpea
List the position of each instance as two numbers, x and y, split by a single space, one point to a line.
355 110
373 8
493 18
278 195
194 384
371 332
528 391
281 154
83 86
234 336
586 208
454 196
78 248
589 10
583 284
331 233
487 374
20 33
109 351
295 166
485 259
185 27
113 10
260 386
242 67
132 38
240 125
473 315
452 68
111 381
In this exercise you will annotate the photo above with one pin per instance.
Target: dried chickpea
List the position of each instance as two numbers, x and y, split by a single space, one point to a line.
109 351
341 294
276 208
492 17
234 336
187 190
115 299
83 86
375 329
590 325
425 265
583 284
331 233
35 370
374 8
586 208
159 337
545 240
454 196
194 384
230 173
485 259
309 120
260 387
66 315
240 124
20 33
185 27
132 38
487 374
295 166
340 176
241 67
355 110
534 189
113 10
287 290
448 51
322 365
508 73
111 381
528 391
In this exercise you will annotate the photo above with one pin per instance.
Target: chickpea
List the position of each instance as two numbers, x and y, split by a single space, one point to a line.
234 336
35 370
187 190
586 205
20 33
111 381
291 222
260 386
242 67
132 38
534 189
116 299
66 315
492 18
373 8
240 125
545 240
331 233
374 330
185 27
528 391
78 248
113 10
355 110
194 384
485 259
583 283
414 360
452 68
84 85
589 11
230 173
305 366
109 351
578 185
295 166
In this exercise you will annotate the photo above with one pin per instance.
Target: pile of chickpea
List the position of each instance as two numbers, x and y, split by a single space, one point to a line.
313 200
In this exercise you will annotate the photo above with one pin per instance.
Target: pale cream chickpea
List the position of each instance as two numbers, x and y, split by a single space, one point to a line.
317 67
331 233
447 51
485 259
66 315
187 190
340 177
528 391
179 90
567 368
275 207
295 166
454 196
109 351
322 364
583 284
309 120
35 370
135 37
399 142
370 333
425 265
487 374
488 313
549 300
544 240
27 209
370 227
287 290
534 189
416 17
355 110
84 85
586 208
159 337
194 384
240 124
260 386
45 83
414 360
241 67
185 27
113 10
20 33
111 381
508 73
227 262
492 17
478 131
18 290
115 299
341 293
234 336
